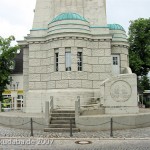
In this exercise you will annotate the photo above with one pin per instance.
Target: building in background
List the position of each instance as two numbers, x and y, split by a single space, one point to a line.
16 77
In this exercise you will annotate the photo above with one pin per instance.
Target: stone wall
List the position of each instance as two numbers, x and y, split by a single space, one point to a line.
25 75
44 81
14 120
96 64
95 123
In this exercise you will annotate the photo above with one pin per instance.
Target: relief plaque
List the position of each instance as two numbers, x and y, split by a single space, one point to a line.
120 91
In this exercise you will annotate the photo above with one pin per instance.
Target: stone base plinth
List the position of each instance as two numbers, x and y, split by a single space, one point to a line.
62 98
121 110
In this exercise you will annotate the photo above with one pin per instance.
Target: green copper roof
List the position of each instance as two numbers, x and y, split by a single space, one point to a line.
115 27
68 16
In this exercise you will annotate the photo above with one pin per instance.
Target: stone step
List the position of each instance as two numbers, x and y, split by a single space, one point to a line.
61 126
61 130
62 121
63 118
64 111
62 115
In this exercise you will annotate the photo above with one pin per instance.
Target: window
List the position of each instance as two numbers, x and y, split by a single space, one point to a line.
68 59
79 61
56 60
115 64
115 60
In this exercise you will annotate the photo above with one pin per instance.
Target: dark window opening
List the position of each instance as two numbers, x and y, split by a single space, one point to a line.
79 61
56 61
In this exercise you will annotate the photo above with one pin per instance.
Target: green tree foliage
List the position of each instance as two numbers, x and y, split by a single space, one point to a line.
143 83
7 55
139 51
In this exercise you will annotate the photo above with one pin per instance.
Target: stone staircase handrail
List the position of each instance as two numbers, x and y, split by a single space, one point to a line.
77 107
127 70
48 110
51 104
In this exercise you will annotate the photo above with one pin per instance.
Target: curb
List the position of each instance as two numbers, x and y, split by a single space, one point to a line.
101 139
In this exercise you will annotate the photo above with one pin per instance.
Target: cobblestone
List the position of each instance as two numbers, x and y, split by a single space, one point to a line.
130 133
140 140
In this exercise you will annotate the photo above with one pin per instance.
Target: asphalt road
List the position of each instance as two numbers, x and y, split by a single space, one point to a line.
71 144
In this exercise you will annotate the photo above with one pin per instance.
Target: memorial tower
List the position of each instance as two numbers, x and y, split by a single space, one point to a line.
72 51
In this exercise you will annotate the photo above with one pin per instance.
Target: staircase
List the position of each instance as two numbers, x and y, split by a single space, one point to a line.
60 121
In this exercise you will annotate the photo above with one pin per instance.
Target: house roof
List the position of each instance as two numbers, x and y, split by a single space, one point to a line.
18 63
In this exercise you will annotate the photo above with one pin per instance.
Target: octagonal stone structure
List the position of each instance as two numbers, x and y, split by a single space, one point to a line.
70 52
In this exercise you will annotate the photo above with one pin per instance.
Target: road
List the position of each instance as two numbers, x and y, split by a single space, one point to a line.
70 144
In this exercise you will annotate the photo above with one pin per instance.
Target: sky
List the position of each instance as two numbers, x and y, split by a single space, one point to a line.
16 16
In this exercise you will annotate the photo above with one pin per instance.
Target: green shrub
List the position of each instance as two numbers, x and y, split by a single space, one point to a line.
6 103
147 104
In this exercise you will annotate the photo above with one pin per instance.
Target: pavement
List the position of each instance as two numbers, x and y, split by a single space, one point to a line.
129 133
20 139
74 144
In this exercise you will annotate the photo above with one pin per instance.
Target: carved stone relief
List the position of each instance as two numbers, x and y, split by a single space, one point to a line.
120 91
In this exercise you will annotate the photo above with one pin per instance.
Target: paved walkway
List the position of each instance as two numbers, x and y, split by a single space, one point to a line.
130 139
94 144
130 133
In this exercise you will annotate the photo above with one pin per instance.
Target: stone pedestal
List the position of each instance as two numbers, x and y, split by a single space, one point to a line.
120 95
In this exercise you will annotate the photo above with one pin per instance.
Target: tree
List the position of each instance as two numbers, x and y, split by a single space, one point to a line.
139 51
143 83
7 55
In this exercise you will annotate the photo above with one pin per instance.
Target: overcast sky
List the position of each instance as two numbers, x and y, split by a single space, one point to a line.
16 16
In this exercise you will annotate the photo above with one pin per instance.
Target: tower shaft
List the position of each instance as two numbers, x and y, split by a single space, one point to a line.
93 10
